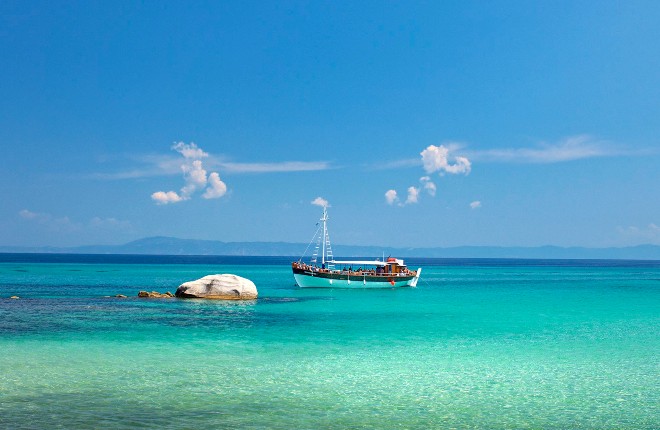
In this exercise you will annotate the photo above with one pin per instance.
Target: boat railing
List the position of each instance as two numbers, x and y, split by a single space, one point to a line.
384 274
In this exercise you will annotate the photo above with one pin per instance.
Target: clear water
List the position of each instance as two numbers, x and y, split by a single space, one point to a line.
478 344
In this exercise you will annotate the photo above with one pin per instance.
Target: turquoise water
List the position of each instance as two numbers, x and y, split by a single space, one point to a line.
478 344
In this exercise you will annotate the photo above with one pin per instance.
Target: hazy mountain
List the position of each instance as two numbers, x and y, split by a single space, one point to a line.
174 246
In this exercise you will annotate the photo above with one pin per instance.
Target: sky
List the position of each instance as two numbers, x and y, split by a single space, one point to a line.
420 124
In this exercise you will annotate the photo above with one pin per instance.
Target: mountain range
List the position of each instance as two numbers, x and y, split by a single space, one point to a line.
174 246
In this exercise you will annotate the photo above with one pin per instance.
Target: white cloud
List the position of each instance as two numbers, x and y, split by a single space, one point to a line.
442 159
399 163
109 223
66 225
413 195
26 214
150 165
320 201
190 151
195 177
429 186
581 146
285 166
216 188
641 235
162 197
153 165
568 149
53 223
391 197
437 159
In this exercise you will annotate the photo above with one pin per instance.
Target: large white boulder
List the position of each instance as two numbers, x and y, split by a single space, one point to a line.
224 287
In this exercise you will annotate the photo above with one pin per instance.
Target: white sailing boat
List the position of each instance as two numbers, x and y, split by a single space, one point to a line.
330 273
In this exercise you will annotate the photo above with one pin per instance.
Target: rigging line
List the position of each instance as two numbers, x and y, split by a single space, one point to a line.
424 281
310 243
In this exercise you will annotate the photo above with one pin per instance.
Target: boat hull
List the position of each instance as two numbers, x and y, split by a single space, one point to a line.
325 280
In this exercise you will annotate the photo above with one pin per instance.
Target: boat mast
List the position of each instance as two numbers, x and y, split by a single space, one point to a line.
324 219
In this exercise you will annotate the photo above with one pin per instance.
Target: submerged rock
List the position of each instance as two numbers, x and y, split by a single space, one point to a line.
223 287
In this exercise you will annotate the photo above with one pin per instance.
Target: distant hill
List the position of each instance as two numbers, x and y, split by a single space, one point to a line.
173 246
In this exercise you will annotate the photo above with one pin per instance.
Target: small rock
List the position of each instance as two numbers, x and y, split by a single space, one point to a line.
120 296
14 297
155 295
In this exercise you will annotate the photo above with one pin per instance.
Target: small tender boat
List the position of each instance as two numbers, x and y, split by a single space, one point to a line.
331 273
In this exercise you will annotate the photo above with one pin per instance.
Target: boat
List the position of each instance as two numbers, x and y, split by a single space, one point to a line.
358 274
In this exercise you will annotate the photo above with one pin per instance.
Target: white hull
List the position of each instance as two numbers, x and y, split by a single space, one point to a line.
308 281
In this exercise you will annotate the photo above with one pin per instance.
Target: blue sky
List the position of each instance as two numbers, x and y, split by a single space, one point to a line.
532 123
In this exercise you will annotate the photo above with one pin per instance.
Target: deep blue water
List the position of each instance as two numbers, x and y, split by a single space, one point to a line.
270 260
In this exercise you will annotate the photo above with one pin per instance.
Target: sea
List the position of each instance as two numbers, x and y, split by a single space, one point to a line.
479 343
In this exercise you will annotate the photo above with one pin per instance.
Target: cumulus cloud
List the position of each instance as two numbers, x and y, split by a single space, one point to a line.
413 195
435 159
430 188
438 159
320 201
189 150
475 204
195 177
391 197
162 197
216 188
428 185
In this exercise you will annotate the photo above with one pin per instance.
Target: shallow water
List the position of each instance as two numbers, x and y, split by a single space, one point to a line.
478 344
